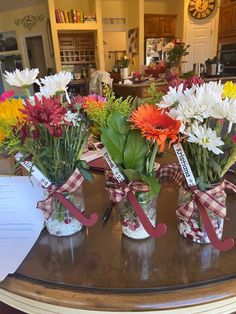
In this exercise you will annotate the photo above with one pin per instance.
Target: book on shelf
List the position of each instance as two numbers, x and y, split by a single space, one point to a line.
73 16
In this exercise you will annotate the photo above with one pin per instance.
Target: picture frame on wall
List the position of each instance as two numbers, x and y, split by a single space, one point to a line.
133 40
8 41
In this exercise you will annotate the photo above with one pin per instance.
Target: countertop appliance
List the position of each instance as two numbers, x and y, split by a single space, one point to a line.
213 67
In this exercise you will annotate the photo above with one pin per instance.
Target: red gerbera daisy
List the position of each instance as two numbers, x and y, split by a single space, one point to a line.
48 112
155 124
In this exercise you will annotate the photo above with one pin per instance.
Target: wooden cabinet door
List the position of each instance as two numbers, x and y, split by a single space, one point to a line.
225 22
167 26
233 24
67 42
151 27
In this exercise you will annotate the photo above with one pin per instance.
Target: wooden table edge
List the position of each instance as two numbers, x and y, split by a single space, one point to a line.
108 301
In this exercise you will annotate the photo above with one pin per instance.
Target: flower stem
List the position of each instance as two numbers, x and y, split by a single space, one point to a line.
152 157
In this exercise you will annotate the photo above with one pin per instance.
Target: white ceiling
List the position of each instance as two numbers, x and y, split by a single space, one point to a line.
8 5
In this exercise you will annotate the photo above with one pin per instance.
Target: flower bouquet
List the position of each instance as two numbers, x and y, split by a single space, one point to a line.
175 50
132 138
48 134
208 116
124 64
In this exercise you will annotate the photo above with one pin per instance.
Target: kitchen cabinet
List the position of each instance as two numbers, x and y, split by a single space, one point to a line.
167 26
156 25
76 48
227 25
152 27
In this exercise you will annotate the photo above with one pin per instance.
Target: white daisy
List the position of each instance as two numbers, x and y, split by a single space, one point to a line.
56 84
185 111
23 78
225 110
48 90
71 117
205 137
172 97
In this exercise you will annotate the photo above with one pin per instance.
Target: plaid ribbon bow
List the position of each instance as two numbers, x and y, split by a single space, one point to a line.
70 186
206 198
117 192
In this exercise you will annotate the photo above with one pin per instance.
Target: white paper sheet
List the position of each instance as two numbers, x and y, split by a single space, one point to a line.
20 221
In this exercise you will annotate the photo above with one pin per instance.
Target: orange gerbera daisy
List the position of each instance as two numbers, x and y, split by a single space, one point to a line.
155 124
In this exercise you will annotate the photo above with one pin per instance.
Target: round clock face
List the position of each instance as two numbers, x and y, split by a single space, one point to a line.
200 9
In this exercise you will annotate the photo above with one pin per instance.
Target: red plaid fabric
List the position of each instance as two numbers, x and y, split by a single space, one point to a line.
206 198
70 186
118 191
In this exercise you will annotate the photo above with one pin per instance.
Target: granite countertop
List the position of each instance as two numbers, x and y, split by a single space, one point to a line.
222 78
159 82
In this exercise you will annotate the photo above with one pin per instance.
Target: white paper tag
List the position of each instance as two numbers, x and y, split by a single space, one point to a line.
119 176
184 164
44 181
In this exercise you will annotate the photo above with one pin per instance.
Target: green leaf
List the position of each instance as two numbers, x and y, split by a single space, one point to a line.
114 143
132 175
135 151
84 164
153 184
119 123
87 175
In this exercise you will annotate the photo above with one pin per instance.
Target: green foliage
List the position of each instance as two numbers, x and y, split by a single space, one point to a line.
114 142
175 54
129 150
123 106
152 182
119 123
154 95
135 151
99 116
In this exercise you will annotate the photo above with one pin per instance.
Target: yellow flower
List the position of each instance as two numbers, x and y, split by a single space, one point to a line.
9 116
229 90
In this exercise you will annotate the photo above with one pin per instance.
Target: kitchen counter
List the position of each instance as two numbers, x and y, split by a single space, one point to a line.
222 78
138 89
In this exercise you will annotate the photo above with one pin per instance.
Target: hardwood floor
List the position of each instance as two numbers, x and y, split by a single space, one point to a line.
5 309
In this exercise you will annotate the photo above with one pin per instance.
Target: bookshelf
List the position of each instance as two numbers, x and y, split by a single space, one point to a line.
77 55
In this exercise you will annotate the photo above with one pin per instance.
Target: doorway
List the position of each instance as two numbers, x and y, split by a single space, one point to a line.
36 57
201 41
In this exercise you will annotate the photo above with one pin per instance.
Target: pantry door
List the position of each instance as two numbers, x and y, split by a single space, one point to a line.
201 37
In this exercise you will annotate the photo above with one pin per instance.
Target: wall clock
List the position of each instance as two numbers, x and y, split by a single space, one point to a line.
200 9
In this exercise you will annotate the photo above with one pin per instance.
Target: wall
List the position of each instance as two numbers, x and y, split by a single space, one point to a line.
114 48
114 35
135 20
7 24
86 6
114 8
168 7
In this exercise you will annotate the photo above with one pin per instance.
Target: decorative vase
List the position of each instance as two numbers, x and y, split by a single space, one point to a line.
193 229
124 73
130 222
61 222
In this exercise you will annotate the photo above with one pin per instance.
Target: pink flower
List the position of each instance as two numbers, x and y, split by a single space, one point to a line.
234 138
6 95
48 112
